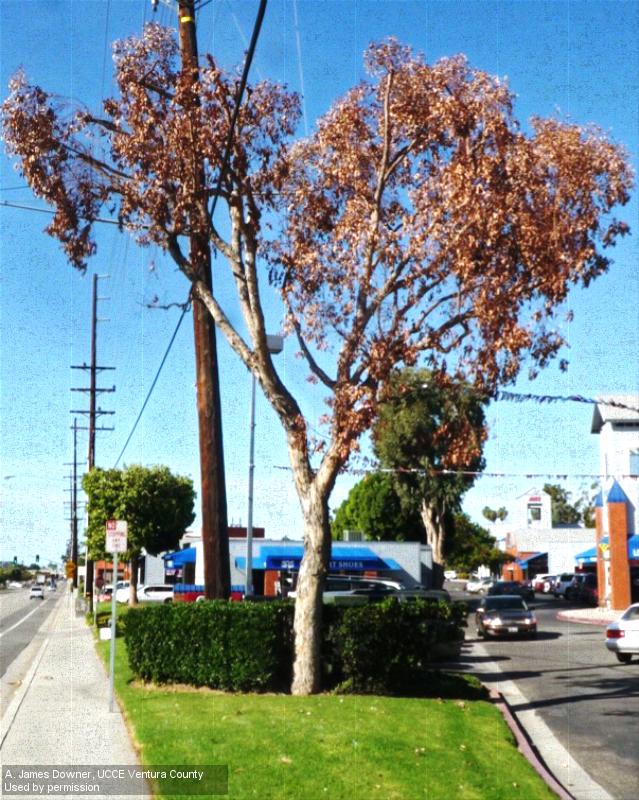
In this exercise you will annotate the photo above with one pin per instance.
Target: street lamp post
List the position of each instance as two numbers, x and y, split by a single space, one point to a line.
275 345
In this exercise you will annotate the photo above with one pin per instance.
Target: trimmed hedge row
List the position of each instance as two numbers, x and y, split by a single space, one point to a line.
381 647
223 645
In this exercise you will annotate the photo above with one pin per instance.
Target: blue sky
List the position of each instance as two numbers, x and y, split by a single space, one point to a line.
578 59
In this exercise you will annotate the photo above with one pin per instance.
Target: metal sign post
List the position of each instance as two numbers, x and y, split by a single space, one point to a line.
116 535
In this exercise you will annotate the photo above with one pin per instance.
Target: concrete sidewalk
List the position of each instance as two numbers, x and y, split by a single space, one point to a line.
60 715
590 616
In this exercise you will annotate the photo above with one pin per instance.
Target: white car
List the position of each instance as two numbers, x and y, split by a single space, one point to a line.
36 593
475 584
450 574
562 582
622 636
155 593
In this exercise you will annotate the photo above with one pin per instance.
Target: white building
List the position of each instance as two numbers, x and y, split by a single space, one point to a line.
618 430
529 535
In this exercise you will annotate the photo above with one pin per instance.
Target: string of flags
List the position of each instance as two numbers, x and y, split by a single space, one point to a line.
479 474
517 397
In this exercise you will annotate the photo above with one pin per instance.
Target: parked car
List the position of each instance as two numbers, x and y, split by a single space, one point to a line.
622 636
572 590
450 574
505 615
549 584
562 582
410 595
36 593
476 584
155 593
538 582
346 584
587 592
511 587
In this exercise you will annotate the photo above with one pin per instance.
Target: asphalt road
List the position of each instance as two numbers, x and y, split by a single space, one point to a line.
20 620
586 697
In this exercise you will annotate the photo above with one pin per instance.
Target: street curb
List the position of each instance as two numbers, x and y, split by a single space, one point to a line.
565 616
527 747
14 706
546 749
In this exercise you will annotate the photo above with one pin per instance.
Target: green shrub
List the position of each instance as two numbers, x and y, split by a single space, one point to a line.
231 646
388 647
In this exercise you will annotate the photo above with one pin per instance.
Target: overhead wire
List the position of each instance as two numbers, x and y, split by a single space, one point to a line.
155 380
300 67
257 26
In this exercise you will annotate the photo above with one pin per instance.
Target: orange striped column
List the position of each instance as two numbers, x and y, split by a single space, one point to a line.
618 543
599 535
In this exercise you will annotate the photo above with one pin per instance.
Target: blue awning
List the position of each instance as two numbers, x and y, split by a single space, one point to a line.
355 559
524 562
258 563
179 558
590 556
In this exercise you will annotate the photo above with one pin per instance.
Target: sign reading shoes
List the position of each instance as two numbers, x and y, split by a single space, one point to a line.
116 535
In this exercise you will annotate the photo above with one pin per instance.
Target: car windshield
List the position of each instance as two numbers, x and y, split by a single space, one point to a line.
502 603
631 613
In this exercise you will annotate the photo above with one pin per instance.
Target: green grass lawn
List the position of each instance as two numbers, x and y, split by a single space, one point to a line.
329 746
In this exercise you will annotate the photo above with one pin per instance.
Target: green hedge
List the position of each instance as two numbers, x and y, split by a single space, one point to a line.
381 647
223 645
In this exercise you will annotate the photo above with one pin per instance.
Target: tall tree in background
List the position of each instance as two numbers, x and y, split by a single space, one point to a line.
157 505
417 221
470 546
374 508
565 512
426 426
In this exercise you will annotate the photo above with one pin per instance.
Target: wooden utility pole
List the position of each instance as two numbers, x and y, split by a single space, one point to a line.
74 506
215 544
94 412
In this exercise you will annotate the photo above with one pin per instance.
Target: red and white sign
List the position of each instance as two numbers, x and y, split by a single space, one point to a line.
116 535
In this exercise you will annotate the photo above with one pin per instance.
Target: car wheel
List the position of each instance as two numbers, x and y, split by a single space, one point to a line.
168 600
625 658
532 635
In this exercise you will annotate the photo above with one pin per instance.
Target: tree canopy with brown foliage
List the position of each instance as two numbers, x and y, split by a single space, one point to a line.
418 224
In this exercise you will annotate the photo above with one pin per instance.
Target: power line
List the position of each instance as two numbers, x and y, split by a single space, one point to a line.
106 46
155 380
50 212
238 100
300 68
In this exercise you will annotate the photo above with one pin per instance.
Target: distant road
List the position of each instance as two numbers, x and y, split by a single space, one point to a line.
20 620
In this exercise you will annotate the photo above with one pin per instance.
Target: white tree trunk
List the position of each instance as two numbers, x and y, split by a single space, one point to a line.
433 519
308 602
